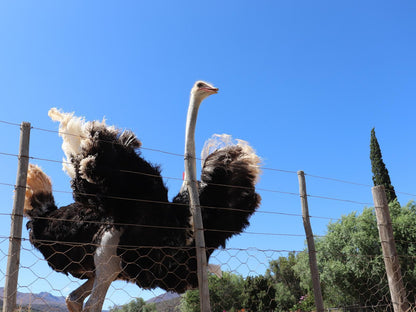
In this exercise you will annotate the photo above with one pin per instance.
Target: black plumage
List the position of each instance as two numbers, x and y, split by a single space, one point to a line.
129 194
121 224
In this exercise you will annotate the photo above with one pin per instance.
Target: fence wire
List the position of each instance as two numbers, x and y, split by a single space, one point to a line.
355 280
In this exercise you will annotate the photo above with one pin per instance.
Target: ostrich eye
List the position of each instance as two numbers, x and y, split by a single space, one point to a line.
200 85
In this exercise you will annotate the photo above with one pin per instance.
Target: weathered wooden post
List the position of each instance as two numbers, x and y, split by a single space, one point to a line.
190 174
388 245
13 259
319 303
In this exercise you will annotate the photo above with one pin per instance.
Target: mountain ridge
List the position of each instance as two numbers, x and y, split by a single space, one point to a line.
43 300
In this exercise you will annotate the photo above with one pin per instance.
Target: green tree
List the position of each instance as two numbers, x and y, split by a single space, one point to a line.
351 261
380 172
137 305
225 294
259 294
286 281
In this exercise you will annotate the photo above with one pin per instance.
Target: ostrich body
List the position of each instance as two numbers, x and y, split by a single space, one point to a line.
128 228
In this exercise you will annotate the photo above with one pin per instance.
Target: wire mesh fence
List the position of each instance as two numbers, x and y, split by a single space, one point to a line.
265 269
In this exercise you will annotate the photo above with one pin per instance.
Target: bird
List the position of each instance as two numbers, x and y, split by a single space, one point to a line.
121 225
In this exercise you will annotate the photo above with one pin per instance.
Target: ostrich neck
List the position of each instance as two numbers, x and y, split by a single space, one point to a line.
194 104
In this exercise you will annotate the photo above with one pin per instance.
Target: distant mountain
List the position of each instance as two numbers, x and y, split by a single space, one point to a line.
40 298
167 302
163 297
42 301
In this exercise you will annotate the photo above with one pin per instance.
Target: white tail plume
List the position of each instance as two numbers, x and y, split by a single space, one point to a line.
248 154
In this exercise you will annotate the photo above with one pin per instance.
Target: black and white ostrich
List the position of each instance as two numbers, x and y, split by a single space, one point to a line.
121 225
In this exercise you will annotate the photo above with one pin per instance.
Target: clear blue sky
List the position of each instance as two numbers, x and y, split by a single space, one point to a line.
304 82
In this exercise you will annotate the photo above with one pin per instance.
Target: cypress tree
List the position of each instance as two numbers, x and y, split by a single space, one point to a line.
380 172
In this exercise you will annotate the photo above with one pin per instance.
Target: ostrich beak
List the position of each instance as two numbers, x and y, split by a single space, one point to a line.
210 90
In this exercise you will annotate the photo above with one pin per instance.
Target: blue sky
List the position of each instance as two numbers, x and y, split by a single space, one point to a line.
304 82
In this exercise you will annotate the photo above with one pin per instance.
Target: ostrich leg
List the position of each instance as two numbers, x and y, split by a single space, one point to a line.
75 299
107 268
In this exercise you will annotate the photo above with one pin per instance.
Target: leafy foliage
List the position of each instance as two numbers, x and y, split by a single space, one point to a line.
137 305
286 281
351 265
351 261
259 294
225 294
306 303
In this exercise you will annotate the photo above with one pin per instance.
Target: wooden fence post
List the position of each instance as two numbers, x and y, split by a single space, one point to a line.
13 259
319 303
388 245
192 183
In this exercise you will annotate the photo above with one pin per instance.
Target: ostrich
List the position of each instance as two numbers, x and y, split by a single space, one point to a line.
121 225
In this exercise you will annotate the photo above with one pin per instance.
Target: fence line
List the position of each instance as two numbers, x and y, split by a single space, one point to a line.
218 208
161 247
182 155
9 123
254 249
216 184
207 207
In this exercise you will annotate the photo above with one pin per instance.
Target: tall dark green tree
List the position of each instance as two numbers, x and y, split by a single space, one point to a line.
380 172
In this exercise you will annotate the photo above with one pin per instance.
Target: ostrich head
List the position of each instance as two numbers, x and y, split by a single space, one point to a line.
202 90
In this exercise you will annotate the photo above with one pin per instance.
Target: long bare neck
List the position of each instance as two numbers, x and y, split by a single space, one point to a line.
197 232
193 108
